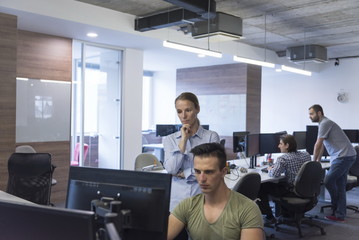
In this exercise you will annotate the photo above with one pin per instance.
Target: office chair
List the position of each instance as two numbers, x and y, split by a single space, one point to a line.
304 198
30 176
249 185
25 149
222 142
352 181
147 162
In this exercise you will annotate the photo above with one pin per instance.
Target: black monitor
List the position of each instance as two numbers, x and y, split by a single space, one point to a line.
145 194
268 143
239 143
252 145
352 134
300 138
163 130
311 138
33 222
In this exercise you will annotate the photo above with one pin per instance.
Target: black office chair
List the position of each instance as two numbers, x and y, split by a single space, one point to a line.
222 142
304 198
352 181
249 185
30 176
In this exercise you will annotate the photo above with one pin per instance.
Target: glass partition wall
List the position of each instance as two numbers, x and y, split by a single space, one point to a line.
96 106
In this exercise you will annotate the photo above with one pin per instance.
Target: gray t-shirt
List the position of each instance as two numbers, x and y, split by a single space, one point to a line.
239 213
335 140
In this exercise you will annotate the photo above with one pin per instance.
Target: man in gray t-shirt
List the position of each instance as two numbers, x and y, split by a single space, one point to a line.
342 156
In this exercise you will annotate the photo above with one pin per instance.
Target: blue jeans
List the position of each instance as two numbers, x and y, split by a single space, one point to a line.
335 182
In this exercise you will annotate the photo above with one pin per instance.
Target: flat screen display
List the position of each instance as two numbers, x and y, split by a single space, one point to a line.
268 143
252 145
34 222
239 141
145 194
352 134
300 138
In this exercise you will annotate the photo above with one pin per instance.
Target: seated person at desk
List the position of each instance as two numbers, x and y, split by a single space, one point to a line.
177 146
289 163
218 213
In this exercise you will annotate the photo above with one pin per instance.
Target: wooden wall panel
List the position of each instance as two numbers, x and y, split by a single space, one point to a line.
253 111
8 38
236 78
212 80
43 56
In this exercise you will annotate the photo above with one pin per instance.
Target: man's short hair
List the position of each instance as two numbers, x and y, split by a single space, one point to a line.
317 108
211 150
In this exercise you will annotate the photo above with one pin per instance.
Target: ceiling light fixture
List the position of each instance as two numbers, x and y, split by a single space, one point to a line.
258 62
191 49
92 34
296 70
255 62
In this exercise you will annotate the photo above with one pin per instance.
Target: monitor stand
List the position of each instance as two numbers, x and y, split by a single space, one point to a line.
253 162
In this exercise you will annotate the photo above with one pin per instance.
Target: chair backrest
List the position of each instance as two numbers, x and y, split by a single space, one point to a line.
308 180
222 142
354 170
249 185
147 160
25 149
30 176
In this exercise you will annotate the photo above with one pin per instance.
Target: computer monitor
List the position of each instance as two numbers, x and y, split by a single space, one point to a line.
33 222
145 194
268 143
300 138
239 141
311 138
252 144
163 130
352 134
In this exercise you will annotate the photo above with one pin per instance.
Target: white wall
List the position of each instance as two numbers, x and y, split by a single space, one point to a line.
132 106
164 94
286 97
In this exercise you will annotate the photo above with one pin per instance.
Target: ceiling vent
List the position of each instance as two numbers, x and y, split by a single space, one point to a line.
308 53
224 25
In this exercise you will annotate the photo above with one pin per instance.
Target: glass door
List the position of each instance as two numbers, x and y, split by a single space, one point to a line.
96 106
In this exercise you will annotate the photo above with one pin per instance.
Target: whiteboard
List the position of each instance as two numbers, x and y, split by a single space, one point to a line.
225 113
42 110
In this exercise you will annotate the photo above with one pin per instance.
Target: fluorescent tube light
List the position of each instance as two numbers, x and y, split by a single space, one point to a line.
296 70
255 62
192 49
22 79
92 34
54 81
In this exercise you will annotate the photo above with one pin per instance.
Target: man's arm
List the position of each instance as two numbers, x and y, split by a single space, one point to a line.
318 150
175 226
252 234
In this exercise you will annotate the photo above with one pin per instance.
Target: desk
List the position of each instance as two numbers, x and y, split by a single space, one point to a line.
159 152
236 174
233 178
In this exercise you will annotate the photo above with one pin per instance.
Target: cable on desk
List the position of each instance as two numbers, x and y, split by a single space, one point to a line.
235 173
